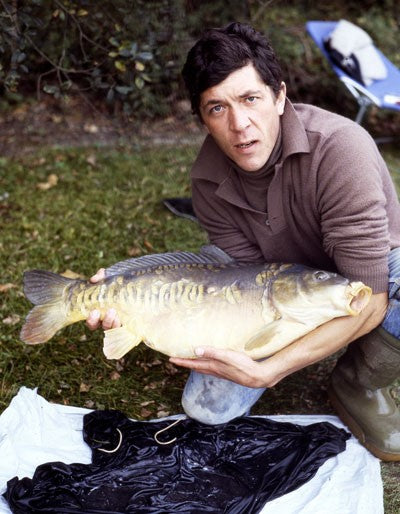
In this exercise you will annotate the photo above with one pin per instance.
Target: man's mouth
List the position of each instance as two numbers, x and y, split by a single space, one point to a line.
246 145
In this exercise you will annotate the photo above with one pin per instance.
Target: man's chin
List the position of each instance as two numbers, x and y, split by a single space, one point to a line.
249 165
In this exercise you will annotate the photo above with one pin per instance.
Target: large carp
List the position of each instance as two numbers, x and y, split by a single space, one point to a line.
174 302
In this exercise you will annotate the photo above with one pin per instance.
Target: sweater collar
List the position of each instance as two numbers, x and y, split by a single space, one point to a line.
294 136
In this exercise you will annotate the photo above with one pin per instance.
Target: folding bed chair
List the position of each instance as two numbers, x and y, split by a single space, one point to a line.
384 93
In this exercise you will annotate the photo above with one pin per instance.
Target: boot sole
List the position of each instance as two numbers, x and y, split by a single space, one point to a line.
357 431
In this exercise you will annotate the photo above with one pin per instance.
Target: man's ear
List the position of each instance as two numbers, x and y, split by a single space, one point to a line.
281 98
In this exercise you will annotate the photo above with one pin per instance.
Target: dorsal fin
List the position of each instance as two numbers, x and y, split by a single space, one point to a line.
209 254
216 254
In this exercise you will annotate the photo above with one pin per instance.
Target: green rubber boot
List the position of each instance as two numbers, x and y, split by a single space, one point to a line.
359 392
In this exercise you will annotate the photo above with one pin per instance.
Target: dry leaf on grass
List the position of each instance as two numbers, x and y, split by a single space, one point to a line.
145 404
145 413
52 181
84 388
11 320
115 375
90 128
91 159
134 251
72 274
163 413
6 287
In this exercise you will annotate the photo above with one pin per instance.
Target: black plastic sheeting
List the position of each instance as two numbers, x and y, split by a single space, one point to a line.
232 468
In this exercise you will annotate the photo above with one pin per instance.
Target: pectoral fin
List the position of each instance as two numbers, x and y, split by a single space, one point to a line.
118 341
274 337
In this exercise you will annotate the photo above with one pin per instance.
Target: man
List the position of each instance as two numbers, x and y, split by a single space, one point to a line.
293 183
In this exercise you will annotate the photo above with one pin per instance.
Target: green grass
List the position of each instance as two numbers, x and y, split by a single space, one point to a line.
105 207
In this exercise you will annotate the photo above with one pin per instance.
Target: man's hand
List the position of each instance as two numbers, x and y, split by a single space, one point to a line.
110 319
235 366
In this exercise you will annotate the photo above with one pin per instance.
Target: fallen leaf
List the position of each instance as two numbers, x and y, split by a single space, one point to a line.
91 160
134 251
52 181
71 274
145 413
56 118
89 404
91 128
115 375
84 388
148 245
170 368
119 365
11 320
162 413
43 186
39 162
145 404
6 287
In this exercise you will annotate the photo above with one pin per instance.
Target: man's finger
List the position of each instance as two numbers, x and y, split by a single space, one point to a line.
93 321
99 275
111 320
225 356
208 367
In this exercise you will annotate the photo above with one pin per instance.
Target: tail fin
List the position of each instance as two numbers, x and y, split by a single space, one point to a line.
45 290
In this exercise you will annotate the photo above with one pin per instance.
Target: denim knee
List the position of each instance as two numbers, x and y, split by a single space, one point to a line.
214 400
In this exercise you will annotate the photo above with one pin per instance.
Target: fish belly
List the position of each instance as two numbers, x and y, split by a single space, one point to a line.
221 319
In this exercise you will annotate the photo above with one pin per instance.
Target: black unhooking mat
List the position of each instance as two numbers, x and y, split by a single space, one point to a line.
229 468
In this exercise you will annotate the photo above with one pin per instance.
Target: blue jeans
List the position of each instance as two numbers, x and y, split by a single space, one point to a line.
391 323
214 400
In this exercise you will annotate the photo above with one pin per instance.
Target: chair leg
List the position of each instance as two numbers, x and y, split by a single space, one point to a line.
361 112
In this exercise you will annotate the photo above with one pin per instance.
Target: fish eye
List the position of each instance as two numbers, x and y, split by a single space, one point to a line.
321 275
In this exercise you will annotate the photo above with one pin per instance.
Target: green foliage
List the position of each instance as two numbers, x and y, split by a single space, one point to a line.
128 55
118 51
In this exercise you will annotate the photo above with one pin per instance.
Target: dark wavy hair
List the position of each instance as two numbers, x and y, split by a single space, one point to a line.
221 51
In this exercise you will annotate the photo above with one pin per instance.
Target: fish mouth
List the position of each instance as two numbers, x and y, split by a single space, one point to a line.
358 296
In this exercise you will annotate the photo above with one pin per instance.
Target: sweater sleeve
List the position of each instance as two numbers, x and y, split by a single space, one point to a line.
352 205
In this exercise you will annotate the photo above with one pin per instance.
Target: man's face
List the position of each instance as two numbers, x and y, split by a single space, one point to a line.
242 114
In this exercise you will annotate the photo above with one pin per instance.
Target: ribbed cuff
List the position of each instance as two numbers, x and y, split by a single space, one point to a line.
376 276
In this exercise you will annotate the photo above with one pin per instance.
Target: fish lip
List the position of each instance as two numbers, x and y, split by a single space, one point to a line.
358 296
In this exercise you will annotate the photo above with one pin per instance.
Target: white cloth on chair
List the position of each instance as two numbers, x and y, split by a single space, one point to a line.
353 42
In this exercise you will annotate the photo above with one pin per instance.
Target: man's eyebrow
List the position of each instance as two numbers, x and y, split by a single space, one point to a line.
251 93
212 101
245 94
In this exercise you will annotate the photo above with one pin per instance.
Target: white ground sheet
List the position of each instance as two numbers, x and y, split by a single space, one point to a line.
34 431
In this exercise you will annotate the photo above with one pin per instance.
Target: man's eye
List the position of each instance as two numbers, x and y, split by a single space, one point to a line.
216 109
251 99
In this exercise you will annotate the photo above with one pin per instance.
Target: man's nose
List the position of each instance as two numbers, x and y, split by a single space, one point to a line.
238 119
